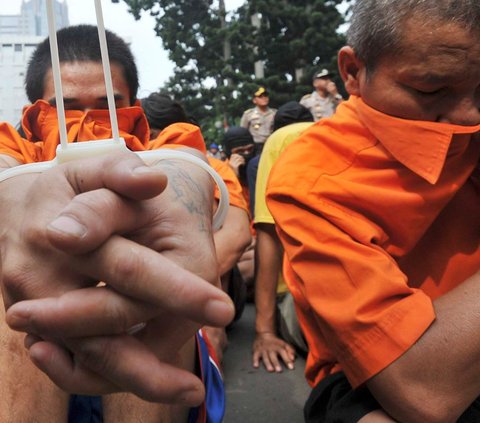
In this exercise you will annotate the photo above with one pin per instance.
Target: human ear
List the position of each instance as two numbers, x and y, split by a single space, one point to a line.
349 66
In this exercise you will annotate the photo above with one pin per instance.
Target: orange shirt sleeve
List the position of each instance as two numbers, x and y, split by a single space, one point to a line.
235 191
13 145
184 134
365 315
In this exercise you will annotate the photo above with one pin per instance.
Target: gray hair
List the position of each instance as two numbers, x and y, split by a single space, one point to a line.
376 25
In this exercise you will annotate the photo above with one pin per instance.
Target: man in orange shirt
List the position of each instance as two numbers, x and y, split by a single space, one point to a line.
109 218
378 209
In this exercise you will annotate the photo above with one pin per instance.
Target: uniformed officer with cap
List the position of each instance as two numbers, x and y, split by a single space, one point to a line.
323 101
259 119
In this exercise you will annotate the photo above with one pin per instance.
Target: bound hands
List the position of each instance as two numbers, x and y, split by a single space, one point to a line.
145 232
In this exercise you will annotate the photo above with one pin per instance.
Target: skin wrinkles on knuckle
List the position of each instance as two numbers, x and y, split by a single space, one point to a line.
125 266
35 237
96 354
93 206
89 174
116 316
18 279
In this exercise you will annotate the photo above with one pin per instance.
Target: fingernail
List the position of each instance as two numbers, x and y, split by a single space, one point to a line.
222 309
18 318
68 226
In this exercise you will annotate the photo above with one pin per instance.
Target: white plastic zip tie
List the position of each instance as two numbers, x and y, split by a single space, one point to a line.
57 80
106 71
74 151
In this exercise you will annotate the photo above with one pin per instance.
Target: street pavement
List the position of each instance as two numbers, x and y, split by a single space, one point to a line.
254 395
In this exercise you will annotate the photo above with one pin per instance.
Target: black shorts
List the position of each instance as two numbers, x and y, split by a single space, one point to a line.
334 401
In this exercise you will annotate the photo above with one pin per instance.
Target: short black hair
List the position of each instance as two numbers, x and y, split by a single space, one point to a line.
161 111
79 44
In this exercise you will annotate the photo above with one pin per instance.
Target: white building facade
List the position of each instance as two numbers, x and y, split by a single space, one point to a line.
19 36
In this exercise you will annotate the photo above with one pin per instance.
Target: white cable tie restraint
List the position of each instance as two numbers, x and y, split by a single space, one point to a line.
95 148
67 152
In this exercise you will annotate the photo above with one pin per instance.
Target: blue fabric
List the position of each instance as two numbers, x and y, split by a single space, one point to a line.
214 387
85 409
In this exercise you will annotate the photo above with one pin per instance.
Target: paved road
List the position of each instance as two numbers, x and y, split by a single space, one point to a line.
256 396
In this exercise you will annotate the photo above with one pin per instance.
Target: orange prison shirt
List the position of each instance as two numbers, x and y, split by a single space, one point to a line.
378 218
234 187
41 128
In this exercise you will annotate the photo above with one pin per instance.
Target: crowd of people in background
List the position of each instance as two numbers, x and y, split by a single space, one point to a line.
353 226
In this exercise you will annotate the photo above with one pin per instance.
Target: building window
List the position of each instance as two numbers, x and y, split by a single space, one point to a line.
18 47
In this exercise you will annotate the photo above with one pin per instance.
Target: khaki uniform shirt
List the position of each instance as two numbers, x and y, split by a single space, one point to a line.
320 107
258 123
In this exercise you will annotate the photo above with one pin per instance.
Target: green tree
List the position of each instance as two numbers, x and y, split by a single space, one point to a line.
220 59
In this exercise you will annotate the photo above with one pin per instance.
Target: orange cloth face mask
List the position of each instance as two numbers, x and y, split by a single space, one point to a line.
430 141
40 123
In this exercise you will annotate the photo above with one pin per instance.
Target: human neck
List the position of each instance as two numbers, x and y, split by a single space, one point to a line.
322 93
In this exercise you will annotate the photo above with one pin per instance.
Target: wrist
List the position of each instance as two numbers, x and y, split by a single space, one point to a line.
266 332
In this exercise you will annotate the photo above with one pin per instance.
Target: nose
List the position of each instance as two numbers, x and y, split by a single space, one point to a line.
466 111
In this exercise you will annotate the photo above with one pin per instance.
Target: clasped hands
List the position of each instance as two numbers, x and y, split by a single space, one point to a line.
146 233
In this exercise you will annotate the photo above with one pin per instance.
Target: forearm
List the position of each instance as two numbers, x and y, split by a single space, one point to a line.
232 239
439 376
22 384
268 259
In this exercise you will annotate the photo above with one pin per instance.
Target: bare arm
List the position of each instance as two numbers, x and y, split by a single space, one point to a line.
232 239
437 378
268 347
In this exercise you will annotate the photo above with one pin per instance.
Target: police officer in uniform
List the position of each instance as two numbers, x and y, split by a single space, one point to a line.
259 119
323 101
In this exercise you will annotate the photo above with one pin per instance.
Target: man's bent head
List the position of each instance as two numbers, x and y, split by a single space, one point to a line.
416 59
80 44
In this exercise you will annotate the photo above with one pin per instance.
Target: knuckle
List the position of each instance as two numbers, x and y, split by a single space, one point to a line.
94 205
96 354
127 268
17 279
117 317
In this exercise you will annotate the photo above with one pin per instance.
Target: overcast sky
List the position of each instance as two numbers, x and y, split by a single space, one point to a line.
153 64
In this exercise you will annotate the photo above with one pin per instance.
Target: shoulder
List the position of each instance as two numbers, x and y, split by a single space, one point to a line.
248 111
306 96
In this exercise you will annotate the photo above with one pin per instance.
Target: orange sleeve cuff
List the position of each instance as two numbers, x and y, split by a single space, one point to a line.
393 336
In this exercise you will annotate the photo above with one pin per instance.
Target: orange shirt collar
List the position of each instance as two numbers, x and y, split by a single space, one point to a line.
419 145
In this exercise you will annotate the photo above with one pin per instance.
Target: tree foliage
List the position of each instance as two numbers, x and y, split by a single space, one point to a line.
215 52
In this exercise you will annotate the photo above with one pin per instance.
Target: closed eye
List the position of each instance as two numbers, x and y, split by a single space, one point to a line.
429 93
